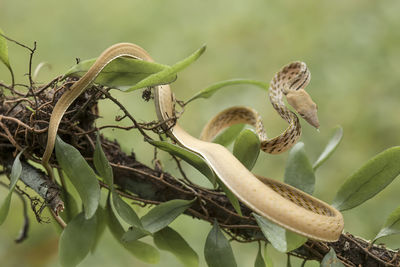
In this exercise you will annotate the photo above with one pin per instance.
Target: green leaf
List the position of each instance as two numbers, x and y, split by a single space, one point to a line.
247 148
71 207
217 250
158 218
298 171
275 234
14 177
391 226
134 233
259 259
125 210
330 147
122 73
193 159
100 227
143 251
170 240
102 165
16 170
138 249
330 260
229 134
104 169
162 215
80 174
4 54
268 260
232 198
76 240
209 91
160 77
281 239
294 240
369 180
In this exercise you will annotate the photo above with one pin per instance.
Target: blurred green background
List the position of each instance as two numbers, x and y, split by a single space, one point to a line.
351 47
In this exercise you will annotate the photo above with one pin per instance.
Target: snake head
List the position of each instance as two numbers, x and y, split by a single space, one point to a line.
301 101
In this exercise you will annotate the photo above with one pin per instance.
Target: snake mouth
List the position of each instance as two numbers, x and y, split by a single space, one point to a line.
298 197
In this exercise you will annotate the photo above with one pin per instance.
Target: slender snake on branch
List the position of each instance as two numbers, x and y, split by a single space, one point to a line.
283 204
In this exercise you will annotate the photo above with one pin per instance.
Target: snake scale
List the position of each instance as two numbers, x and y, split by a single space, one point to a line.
276 201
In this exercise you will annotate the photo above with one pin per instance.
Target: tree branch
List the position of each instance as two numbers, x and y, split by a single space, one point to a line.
140 183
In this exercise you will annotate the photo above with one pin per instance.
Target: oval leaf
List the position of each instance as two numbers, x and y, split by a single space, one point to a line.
161 77
71 207
16 170
104 169
209 91
298 170
217 250
162 215
330 147
143 251
170 240
80 174
193 159
158 218
122 73
138 249
4 53
294 240
391 226
247 148
275 234
229 134
100 227
14 177
76 240
330 260
369 180
102 165
125 211
281 239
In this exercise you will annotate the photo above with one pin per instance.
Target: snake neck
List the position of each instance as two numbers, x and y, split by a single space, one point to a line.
291 135
290 79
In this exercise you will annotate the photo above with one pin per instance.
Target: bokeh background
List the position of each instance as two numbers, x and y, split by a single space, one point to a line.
351 47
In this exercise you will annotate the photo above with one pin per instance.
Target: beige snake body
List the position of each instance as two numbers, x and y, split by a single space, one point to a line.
288 81
279 202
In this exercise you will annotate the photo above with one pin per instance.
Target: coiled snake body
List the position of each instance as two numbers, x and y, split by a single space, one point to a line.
279 202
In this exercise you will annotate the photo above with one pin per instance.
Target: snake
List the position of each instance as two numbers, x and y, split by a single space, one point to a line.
276 201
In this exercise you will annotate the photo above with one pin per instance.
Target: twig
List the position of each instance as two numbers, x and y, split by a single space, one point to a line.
51 83
32 50
126 112
16 42
58 219
31 90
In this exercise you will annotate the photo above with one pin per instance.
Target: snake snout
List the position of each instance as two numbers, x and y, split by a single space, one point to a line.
312 118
